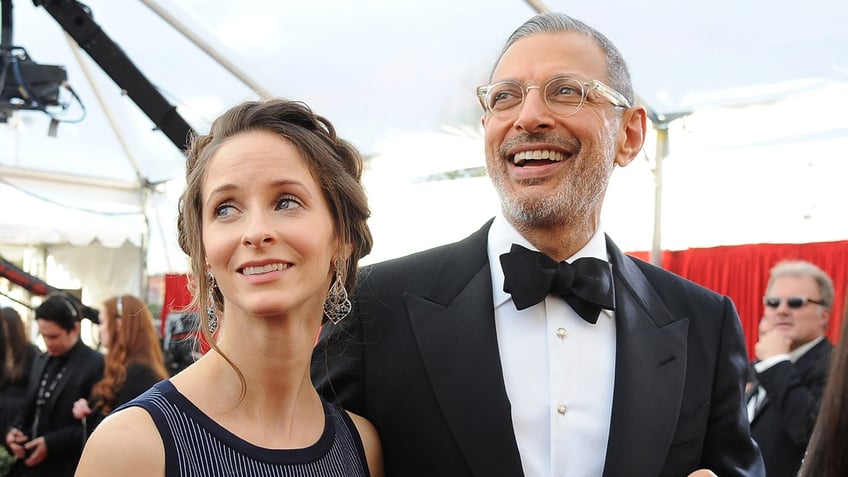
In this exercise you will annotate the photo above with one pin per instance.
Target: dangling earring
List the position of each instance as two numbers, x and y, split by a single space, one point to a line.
337 305
211 315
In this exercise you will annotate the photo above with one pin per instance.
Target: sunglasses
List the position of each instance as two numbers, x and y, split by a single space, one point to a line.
791 302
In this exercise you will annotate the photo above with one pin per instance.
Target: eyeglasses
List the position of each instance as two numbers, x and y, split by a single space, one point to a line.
563 95
791 302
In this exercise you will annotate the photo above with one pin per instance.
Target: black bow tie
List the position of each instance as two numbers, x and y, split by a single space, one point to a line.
585 284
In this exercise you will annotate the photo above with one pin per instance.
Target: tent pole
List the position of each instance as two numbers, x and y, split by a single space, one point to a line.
145 243
106 111
661 153
228 65
538 6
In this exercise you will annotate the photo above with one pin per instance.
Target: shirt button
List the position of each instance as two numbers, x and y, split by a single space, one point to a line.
561 333
561 408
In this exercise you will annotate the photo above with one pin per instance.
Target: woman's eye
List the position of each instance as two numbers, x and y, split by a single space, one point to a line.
287 203
224 210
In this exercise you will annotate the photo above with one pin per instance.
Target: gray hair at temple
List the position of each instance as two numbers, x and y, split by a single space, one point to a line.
802 268
552 22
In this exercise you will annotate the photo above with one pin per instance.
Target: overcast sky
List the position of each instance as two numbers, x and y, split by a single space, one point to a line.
382 68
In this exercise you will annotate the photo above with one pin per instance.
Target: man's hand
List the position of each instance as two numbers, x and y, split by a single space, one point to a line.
81 409
38 451
771 343
15 440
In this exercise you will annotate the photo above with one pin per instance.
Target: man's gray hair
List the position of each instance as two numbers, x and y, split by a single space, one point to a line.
551 22
802 268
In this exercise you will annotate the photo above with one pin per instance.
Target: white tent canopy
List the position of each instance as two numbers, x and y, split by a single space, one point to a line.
761 85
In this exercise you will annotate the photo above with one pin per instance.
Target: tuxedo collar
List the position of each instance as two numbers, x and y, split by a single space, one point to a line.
455 332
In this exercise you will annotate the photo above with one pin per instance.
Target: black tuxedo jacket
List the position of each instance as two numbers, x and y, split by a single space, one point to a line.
420 359
784 422
57 424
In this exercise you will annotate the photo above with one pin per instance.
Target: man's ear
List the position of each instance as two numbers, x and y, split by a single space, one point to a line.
631 138
826 312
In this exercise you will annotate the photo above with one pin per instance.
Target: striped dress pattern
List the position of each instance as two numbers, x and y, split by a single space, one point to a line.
196 446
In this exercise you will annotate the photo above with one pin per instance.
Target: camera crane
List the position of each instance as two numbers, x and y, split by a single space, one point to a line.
27 85
34 86
75 18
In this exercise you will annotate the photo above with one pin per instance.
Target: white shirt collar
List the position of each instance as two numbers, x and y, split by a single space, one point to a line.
501 237
796 354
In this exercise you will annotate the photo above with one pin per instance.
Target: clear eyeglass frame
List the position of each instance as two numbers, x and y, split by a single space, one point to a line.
565 108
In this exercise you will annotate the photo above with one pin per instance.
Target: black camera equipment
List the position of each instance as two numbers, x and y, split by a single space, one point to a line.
25 84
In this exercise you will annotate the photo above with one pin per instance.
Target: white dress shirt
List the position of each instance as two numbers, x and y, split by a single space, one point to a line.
558 371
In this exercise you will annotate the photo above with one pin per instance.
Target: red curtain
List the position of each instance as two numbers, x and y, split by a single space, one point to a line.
177 296
741 272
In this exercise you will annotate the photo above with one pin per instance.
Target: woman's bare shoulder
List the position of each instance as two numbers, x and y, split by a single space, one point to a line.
371 443
126 443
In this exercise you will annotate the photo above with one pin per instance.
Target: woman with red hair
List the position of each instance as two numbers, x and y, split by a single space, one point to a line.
134 360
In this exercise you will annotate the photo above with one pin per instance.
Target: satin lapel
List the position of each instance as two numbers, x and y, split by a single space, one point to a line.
649 373
455 332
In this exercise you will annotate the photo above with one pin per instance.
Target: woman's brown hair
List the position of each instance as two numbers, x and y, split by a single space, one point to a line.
335 164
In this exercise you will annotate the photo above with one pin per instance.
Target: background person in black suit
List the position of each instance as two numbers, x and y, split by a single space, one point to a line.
462 378
792 361
47 439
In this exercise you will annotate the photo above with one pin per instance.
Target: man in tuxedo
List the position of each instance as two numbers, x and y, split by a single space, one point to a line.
48 440
790 371
488 358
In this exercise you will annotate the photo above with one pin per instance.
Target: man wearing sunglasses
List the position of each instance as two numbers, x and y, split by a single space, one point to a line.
792 360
